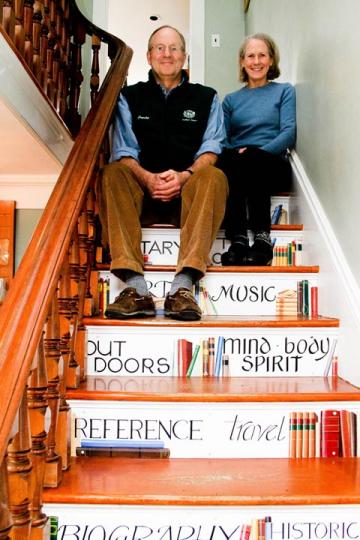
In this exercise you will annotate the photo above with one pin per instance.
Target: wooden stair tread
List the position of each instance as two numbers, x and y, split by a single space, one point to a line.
225 390
206 482
221 321
287 227
274 226
313 269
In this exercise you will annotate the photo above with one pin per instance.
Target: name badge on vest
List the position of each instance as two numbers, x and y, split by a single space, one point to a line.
140 117
189 116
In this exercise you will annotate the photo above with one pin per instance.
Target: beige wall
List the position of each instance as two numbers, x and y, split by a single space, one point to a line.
320 44
131 22
226 18
26 221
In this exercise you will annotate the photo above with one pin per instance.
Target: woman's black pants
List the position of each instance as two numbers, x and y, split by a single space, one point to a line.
253 177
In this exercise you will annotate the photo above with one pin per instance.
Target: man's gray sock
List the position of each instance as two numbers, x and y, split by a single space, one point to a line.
136 280
186 278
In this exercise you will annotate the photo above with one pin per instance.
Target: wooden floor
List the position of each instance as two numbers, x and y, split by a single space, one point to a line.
232 389
209 482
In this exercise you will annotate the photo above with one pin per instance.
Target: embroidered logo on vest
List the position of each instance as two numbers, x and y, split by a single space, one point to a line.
189 116
143 117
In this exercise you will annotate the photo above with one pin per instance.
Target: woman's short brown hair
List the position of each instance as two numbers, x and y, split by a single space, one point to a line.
274 70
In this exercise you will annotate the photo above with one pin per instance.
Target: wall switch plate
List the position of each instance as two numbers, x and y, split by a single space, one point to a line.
215 40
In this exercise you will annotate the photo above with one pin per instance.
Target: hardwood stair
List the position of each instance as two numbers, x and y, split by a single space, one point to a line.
209 482
232 389
217 480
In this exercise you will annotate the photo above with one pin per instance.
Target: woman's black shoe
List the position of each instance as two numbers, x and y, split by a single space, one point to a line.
261 252
236 255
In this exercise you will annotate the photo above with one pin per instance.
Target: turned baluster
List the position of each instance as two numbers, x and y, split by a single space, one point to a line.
50 83
53 469
37 399
76 78
58 52
65 315
74 266
8 18
19 26
44 40
5 516
95 68
19 467
28 28
64 60
37 18
63 66
85 269
90 211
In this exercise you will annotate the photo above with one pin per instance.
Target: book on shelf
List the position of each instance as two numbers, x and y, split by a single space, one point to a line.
126 452
122 448
103 294
245 532
284 219
194 358
335 367
333 433
208 359
258 529
275 216
286 253
204 300
211 358
184 355
330 433
205 357
330 359
348 434
307 297
268 528
121 443
286 303
219 356
54 527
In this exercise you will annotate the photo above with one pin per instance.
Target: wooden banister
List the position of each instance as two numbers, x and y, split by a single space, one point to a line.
52 279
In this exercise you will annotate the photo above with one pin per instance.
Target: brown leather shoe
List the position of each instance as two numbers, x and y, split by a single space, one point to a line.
182 305
130 304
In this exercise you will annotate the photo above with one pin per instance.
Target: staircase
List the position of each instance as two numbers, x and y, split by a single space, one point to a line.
230 438
241 444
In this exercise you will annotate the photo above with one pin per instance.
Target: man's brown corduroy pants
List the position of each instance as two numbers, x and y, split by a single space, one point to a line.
203 200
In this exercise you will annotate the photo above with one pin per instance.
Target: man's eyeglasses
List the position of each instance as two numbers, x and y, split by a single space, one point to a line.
161 49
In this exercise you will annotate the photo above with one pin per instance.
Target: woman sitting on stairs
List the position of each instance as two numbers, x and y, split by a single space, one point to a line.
260 121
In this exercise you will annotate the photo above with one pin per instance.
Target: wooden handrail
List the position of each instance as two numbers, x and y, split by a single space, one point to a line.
30 299
25 308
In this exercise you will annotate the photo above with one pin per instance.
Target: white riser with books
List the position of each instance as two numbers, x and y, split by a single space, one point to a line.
161 246
130 522
218 430
251 352
233 293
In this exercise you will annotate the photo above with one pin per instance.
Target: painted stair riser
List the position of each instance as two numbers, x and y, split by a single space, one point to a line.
232 293
161 246
251 352
110 522
219 430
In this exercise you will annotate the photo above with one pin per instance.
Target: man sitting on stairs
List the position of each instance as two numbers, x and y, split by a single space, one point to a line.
167 136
